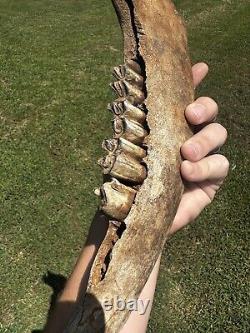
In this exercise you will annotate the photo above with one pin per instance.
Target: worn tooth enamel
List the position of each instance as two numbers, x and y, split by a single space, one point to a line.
117 145
116 199
129 130
97 192
125 72
128 110
123 166
127 90
132 149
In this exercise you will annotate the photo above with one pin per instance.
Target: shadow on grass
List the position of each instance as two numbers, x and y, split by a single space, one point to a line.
63 311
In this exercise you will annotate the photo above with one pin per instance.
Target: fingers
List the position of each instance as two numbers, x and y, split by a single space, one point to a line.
214 167
200 71
203 110
201 144
192 203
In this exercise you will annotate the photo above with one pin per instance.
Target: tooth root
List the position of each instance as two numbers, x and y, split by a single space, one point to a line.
117 145
116 199
129 130
126 109
124 89
123 166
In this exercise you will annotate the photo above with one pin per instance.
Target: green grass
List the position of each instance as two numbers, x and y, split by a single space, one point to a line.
55 64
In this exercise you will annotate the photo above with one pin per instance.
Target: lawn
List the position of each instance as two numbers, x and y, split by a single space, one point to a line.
55 63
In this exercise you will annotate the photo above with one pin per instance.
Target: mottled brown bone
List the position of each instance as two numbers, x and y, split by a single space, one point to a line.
154 38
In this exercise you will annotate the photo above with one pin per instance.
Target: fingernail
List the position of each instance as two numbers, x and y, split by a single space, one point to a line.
197 110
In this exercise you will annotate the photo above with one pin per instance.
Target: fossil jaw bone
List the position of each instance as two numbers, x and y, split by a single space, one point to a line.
116 199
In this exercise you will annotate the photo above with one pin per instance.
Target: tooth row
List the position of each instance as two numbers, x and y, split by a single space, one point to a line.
125 154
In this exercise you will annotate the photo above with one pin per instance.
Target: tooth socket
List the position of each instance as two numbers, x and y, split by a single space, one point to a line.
123 166
126 109
121 145
125 72
116 199
127 90
129 130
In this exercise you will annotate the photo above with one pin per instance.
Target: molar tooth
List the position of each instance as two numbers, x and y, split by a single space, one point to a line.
117 145
129 91
116 199
125 72
129 130
123 166
126 109
132 149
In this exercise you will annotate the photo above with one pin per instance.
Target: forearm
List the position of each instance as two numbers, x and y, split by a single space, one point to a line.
138 322
77 283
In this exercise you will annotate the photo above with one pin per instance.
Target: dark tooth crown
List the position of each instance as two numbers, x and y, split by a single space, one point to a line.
125 72
126 109
129 130
127 90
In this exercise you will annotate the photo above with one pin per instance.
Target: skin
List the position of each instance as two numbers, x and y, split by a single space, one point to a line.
203 171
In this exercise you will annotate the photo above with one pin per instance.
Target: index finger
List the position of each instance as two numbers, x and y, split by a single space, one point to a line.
200 71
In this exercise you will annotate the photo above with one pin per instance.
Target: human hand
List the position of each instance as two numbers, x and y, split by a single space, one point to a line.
203 173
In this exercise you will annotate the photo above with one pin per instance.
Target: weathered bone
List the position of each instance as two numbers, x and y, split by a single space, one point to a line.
101 262
122 145
125 89
129 130
155 45
116 199
123 166
128 110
